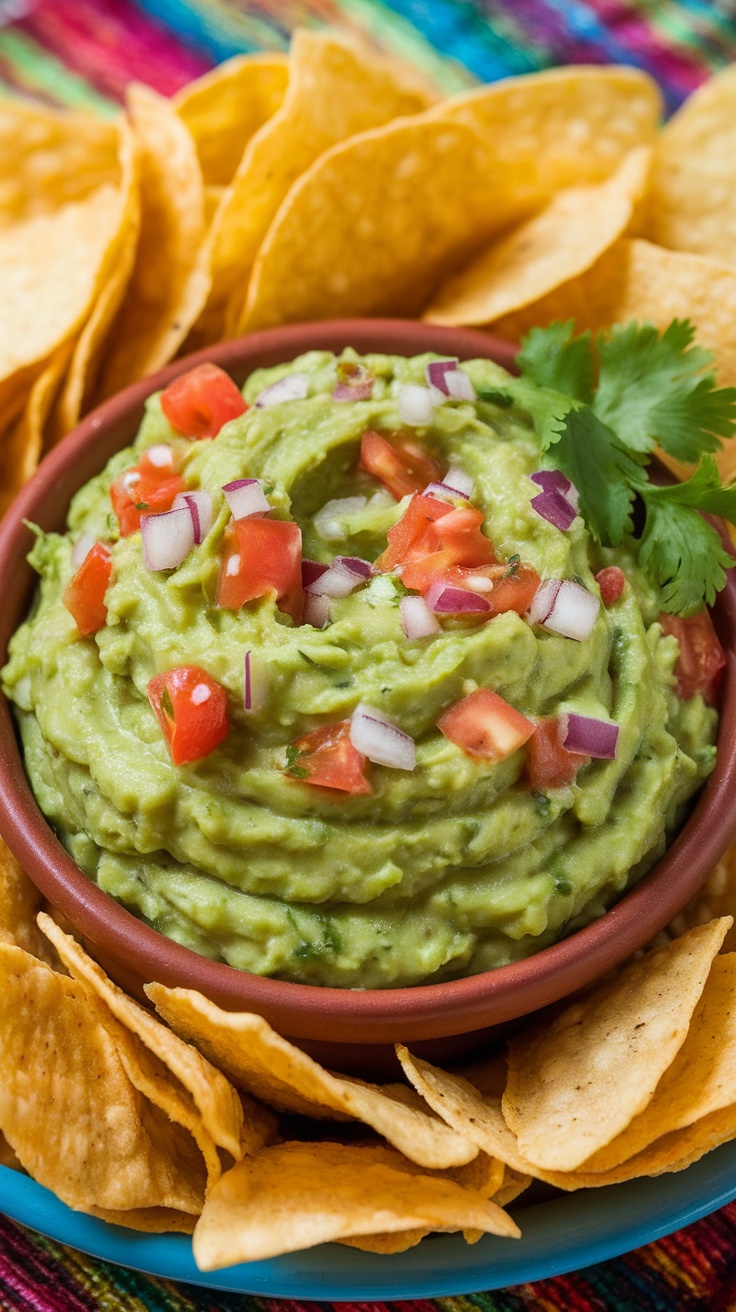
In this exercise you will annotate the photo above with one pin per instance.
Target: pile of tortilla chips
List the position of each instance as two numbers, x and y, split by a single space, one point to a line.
335 182
208 1122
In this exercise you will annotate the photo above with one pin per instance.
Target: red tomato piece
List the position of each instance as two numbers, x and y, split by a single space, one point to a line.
145 489
701 659
406 536
485 726
262 556
460 533
611 582
326 757
198 403
191 709
84 594
402 467
548 763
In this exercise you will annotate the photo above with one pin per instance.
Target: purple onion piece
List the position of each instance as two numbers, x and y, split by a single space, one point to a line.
436 371
167 538
382 741
199 505
459 481
588 736
443 599
245 497
316 611
356 564
443 491
357 391
543 600
565 608
555 508
312 570
248 690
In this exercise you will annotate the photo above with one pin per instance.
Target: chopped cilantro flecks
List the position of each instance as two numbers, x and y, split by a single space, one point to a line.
563 886
141 505
292 768
308 949
512 565
600 405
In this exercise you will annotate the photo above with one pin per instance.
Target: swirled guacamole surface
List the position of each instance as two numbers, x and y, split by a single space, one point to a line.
451 868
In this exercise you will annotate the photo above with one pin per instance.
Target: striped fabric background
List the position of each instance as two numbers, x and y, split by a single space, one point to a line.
82 53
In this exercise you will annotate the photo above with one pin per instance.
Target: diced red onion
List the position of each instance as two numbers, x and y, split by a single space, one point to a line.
382 741
555 508
360 390
417 619
248 688
415 405
588 736
327 520
160 455
255 687
199 505
245 497
343 576
292 387
443 492
446 600
82 549
311 570
566 608
553 480
167 538
316 610
437 372
462 483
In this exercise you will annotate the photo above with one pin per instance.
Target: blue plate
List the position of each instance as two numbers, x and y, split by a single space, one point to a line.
564 1234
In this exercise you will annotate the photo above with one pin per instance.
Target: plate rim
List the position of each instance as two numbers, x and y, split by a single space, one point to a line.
641 1211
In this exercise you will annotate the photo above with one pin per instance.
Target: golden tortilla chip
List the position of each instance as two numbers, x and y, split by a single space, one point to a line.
560 242
637 280
700 1080
693 199
7 1156
81 378
514 1184
215 1099
154 1220
257 1059
19 903
68 1109
372 226
227 106
717 897
51 157
22 448
622 1035
337 88
296 1195
169 284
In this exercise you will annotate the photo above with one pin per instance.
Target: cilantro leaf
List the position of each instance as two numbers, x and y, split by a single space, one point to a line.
292 768
653 388
683 555
589 453
551 357
546 409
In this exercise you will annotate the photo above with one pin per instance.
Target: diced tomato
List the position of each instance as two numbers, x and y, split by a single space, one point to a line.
548 763
326 757
84 594
198 403
513 587
611 582
430 527
262 556
460 533
192 711
406 536
701 660
402 467
148 488
485 726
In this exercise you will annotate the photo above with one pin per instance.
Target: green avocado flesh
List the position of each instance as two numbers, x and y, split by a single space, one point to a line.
454 868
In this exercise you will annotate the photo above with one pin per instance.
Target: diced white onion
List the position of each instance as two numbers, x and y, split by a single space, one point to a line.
459 385
415 405
565 607
82 549
199 505
417 619
245 497
256 689
327 521
167 538
339 580
292 387
383 742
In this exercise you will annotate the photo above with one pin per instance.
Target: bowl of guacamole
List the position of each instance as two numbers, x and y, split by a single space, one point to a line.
323 684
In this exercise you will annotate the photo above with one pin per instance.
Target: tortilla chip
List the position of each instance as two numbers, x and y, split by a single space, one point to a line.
22 448
153 1220
50 158
637 280
296 1195
514 1184
257 1059
68 1109
386 1244
19 903
700 1080
168 285
81 378
693 199
563 127
224 109
624 1034
559 243
337 88
7 1156
717 897
215 1099
372 226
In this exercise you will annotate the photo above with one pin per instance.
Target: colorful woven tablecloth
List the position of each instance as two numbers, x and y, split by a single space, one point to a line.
83 53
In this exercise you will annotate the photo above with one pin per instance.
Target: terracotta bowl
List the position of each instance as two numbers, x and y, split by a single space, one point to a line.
351 1029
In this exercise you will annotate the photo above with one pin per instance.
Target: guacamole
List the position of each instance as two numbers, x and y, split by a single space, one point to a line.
450 866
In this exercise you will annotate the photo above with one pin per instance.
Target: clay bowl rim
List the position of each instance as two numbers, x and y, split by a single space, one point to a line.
307 1011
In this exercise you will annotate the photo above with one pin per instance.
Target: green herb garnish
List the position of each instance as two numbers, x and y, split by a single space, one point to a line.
600 405
292 768
512 565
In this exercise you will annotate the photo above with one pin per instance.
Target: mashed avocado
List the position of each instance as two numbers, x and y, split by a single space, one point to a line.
451 868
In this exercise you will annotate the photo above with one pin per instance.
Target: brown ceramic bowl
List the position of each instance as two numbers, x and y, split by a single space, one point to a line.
339 1024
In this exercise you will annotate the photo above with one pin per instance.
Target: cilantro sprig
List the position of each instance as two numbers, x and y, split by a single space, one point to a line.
600 406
